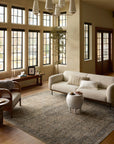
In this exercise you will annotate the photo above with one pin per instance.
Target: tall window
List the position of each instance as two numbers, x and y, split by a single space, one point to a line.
47 49
62 20
17 48
47 19
87 40
62 50
34 19
3 13
18 15
33 48
3 42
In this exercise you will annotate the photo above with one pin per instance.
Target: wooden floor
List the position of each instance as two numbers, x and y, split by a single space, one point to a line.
12 135
109 139
9 134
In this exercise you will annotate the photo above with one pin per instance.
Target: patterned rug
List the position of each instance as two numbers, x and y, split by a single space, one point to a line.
47 118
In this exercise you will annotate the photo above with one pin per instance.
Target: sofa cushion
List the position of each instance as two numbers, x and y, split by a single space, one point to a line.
99 94
103 81
88 84
67 74
64 87
75 80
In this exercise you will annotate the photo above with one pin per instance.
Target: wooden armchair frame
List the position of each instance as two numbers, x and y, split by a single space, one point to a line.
5 93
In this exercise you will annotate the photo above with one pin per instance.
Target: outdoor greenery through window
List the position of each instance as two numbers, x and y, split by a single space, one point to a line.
47 19
18 15
62 20
62 50
17 47
47 48
87 34
33 48
33 19
3 13
3 43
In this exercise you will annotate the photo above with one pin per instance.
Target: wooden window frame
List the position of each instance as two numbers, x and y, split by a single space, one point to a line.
4 14
12 15
62 54
49 49
36 49
62 13
88 38
4 46
22 48
48 20
37 22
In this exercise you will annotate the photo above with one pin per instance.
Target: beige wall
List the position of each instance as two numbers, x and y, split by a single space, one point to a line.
73 41
27 4
99 18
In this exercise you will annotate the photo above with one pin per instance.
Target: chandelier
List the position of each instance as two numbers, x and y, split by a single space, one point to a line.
49 6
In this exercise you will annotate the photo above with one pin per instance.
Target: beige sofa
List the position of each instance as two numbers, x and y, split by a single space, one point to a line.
104 92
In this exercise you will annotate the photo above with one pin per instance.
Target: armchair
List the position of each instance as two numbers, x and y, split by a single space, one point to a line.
14 96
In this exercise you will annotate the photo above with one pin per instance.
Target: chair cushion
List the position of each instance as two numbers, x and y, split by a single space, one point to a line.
64 87
8 84
15 97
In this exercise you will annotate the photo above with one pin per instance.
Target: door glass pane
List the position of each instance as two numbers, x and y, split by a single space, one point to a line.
99 49
105 46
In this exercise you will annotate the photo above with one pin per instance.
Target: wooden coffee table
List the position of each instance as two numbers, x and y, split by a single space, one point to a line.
3 103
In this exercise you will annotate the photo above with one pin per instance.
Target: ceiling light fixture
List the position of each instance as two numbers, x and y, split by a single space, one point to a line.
50 6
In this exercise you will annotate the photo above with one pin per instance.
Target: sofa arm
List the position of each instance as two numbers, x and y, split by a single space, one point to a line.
110 94
54 79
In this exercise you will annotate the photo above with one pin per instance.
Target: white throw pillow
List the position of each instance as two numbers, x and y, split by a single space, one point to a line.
75 80
88 84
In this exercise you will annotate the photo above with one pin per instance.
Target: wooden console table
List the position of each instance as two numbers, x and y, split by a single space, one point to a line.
38 78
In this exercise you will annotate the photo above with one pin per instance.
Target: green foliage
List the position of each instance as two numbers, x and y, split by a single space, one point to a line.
57 33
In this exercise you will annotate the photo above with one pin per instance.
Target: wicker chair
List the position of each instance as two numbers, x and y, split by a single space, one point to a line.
14 95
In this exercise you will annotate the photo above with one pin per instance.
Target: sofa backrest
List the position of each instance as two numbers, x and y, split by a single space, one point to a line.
67 74
103 81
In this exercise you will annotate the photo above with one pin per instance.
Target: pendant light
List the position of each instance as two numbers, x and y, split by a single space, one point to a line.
61 3
49 5
57 10
72 7
35 7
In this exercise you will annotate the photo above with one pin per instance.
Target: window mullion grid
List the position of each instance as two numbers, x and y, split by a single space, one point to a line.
49 50
17 51
4 14
4 52
22 49
37 50
88 41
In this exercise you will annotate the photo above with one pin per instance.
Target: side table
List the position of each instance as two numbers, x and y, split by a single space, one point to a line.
3 102
75 101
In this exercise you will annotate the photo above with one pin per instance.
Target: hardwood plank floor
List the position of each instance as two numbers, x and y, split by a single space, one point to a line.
109 139
9 134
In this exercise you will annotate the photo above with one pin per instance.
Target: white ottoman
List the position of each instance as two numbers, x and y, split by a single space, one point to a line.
74 101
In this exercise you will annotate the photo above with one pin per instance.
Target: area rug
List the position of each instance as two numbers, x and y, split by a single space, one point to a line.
46 117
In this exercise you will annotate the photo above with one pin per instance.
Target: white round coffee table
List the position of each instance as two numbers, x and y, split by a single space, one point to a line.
75 101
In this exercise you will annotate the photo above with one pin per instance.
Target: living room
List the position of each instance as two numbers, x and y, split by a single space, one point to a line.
27 50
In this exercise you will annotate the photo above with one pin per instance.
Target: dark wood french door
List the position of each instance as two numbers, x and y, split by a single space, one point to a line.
103 50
